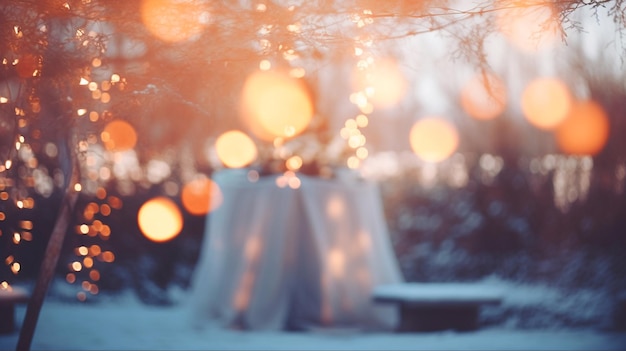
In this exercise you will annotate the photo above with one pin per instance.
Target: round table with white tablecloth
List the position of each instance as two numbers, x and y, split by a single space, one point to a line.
276 257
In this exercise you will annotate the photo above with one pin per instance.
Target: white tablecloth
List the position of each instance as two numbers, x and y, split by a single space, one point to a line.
275 258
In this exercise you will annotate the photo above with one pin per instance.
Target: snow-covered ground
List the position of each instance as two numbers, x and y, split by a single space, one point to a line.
122 322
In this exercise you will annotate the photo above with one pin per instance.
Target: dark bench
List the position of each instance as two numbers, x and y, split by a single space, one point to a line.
8 298
438 306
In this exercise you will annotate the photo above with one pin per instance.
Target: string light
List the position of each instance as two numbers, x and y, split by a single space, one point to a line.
361 98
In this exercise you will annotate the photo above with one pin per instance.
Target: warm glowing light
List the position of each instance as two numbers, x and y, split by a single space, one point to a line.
160 219
88 262
119 135
3 100
336 262
265 65
253 248
94 250
585 130
97 225
115 202
105 210
297 72
16 267
94 275
28 225
253 176
82 250
85 285
105 98
70 278
242 296
101 193
546 102
84 229
235 149
173 20
335 207
275 105
484 97
434 139
294 182
529 27
362 153
76 266
353 162
293 163
78 187
362 121
201 196
384 81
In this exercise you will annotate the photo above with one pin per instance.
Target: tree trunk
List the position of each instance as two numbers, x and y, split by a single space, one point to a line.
53 250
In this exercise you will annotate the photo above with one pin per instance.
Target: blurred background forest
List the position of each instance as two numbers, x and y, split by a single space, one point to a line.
512 199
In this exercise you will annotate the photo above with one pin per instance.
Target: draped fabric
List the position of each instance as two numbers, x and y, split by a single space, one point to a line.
281 258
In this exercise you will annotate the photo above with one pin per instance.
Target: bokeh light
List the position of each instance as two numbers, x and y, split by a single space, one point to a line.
174 20
119 135
160 219
275 105
585 130
384 81
546 102
235 149
201 196
484 97
434 139
530 26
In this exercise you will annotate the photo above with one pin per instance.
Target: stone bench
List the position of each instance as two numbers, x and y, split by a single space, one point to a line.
8 298
438 306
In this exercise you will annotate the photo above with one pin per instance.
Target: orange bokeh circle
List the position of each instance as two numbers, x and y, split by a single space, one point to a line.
434 139
484 97
546 102
160 219
201 196
275 105
235 149
585 130
174 21
530 27
119 135
387 82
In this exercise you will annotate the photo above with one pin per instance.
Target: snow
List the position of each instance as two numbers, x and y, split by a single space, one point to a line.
123 322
